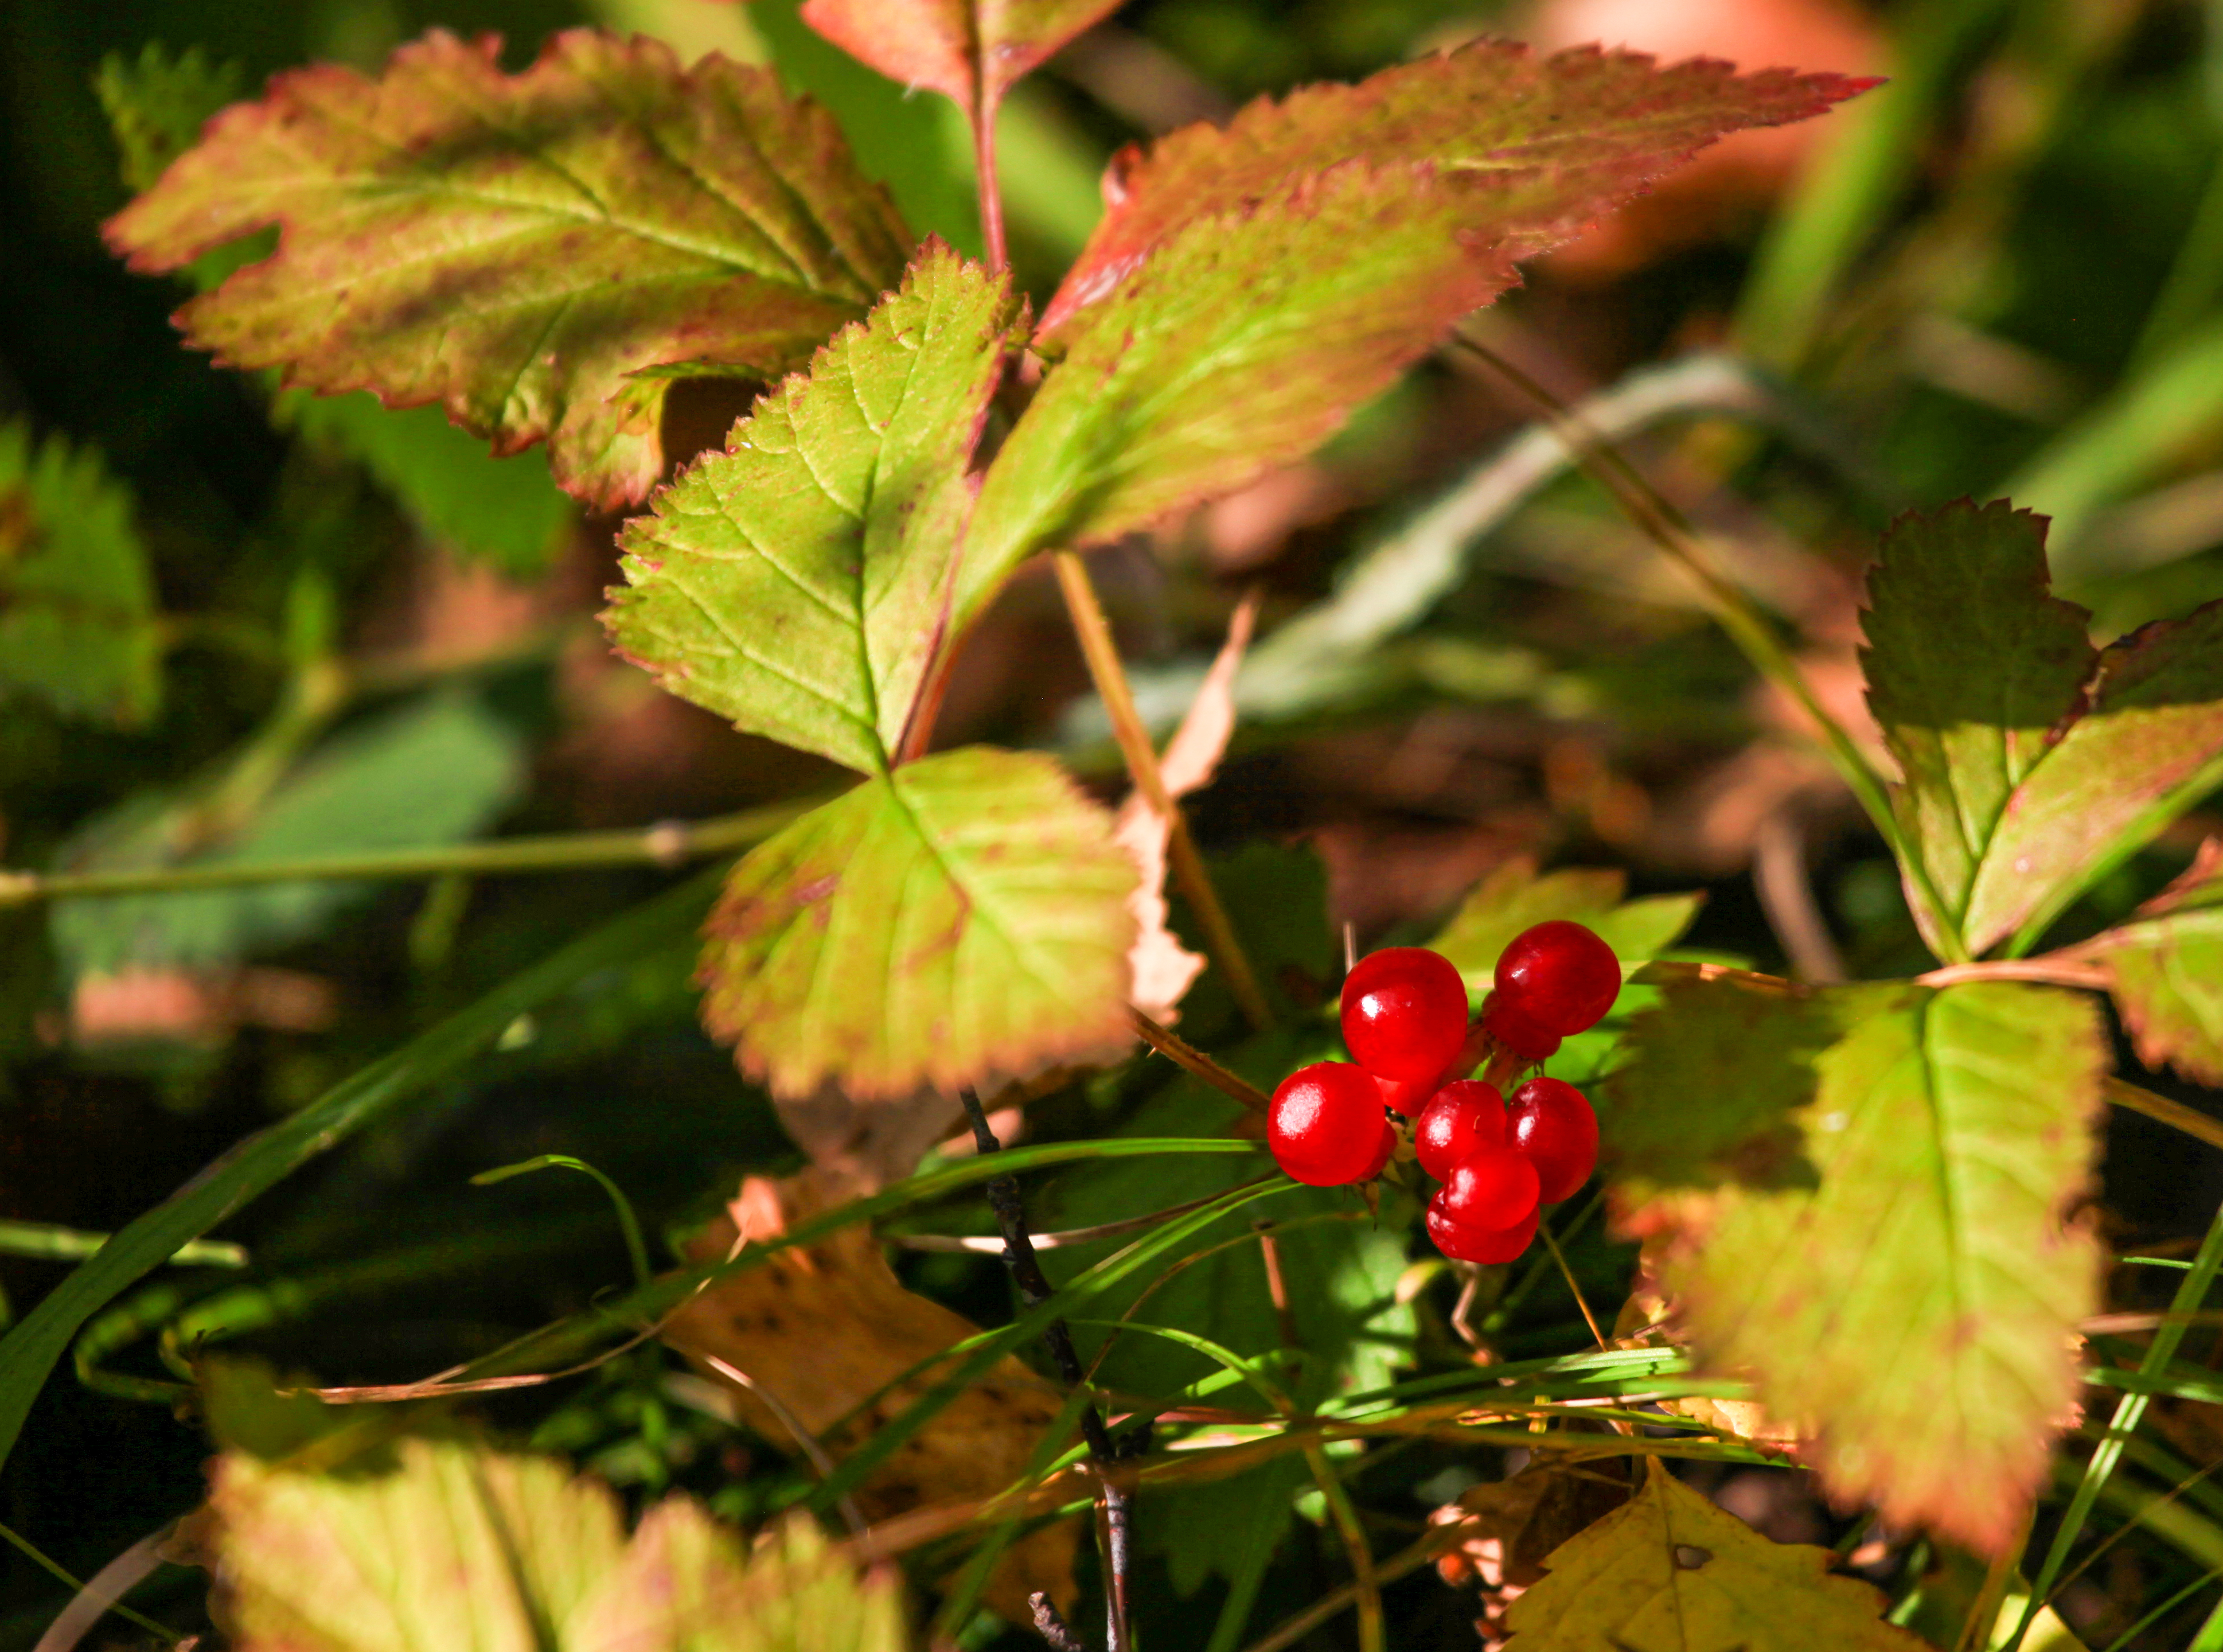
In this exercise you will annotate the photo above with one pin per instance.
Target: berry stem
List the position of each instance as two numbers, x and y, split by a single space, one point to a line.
1581 1302
1186 1056
1102 654
1033 1285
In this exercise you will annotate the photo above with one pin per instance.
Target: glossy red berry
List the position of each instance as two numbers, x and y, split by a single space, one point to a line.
1325 1123
1560 975
1459 1122
1407 1095
1404 1012
1491 1188
1515 1031
1465 1244
1553 1128
1382 1154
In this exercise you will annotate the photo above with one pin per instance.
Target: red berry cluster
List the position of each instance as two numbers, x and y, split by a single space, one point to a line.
1405 1020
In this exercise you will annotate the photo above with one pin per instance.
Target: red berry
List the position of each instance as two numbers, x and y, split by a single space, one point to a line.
1515 1031
1491 1188
1404 1012
1381 1154
1553 1126
1325 1124
1465 1244
1459 1121
1560 975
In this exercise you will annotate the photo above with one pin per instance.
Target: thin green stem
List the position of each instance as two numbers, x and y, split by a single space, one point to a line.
668 843
1736 615
50 1243
32 1552
628 1224
2130 1411
1373 1634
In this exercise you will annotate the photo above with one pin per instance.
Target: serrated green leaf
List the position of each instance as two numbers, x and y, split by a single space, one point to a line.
157 104
797 583
78 626
2166 970
505 511
959 921
430 773
451 1546
1250 286
541 253
1513 898
2031 760
1670 1572
1858 1195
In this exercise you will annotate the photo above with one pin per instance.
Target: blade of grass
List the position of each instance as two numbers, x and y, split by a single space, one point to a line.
627 1223
2130 1411
38 1556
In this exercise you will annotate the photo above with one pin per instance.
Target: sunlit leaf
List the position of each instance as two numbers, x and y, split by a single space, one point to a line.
1249 286
78 627
2031 759
432 772
446 1544
541 254
959 921
797 583
971 51
157 102
1858 1195
2166 969
1513 898
1670 1572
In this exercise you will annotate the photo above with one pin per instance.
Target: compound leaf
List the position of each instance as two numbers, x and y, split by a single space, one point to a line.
960 920
970 51
1249 286
2031 760
2166 969
797 583
541 253
446 1544
1858 1195
431 773
78 626
1670 1572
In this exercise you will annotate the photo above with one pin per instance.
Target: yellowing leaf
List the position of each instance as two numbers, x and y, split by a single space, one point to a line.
797 583
1162 968
2033 760
959 921
1858 1195
78 627
1249 286
541 253
2166 966
451 1547
1669 1572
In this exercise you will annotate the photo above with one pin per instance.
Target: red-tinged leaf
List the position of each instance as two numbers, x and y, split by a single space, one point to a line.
541 253
961 920
1250 286
796 583
2166 966
2031 761
1542 146
970 51
1858 1195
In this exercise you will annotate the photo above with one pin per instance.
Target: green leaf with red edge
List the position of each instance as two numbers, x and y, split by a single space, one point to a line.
2165 967
540 253
2032 761
797 583
1513 898
1858 1195
1250 286
959 921
971 51
1670 1570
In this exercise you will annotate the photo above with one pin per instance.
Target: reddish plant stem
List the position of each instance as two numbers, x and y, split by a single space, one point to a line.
984 164
1035 1286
